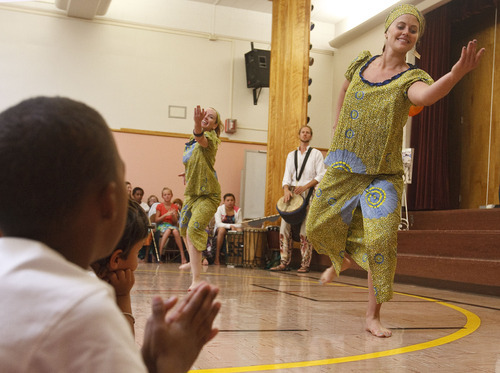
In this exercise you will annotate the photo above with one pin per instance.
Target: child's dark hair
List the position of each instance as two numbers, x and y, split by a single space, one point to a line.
136 229
137 189
228 195
43 141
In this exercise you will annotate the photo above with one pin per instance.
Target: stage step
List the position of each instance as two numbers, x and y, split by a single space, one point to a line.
459 270
453 249
471 219
478 244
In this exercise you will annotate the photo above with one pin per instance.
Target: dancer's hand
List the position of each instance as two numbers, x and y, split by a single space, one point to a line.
421 94
199 114
469 59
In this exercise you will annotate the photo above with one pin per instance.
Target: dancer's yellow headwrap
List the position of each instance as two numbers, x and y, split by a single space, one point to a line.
406 9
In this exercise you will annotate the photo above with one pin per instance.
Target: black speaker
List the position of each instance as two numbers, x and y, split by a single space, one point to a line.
257 63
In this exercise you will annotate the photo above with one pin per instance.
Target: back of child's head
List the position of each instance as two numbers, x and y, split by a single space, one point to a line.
136 229
54 152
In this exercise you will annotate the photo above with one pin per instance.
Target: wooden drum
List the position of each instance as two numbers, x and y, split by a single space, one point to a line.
234 243
294 211
255 244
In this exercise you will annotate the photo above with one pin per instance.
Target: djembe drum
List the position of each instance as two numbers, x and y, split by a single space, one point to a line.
255 242
234 244
293 212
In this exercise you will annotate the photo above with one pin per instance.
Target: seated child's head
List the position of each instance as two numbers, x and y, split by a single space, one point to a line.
178 202
125 253
59 161
128 185
167 194
229 200
152 199
137 194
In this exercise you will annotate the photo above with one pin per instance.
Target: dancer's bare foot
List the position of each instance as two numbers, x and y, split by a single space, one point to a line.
194 285
204 262
327 276
217 262
330 273
185 266
374 326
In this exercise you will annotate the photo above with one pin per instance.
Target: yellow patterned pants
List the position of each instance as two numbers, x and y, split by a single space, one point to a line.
196 213
358 214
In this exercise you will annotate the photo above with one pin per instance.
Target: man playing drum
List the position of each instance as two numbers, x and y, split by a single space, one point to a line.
304 169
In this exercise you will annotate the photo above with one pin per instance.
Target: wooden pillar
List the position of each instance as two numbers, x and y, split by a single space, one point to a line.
288 84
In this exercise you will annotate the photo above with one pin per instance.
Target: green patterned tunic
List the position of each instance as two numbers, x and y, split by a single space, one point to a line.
202 193
357 205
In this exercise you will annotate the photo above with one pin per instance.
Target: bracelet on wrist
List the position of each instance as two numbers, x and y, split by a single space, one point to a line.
198 134
130 315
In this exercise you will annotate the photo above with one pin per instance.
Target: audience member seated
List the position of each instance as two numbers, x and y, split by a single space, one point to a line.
167 217
55 317
227 217
128 185
153 201
137 194
178 202
148 248
118 268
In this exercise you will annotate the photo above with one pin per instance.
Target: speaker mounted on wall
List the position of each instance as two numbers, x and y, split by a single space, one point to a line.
257 64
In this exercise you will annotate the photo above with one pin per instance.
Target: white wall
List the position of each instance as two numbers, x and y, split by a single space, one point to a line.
131 70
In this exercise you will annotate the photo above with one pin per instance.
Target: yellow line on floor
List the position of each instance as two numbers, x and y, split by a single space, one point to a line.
472 324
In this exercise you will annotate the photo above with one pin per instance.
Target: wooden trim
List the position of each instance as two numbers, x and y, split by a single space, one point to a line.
180 135
288 89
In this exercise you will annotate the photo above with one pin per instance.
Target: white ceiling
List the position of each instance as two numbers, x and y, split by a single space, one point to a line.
328 11
337 21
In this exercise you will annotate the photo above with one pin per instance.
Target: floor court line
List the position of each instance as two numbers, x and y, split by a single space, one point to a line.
472 324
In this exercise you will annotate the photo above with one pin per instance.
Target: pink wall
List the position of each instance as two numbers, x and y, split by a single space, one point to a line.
153 162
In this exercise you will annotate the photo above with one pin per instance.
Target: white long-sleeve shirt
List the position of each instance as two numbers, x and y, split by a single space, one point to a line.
314 169
221 213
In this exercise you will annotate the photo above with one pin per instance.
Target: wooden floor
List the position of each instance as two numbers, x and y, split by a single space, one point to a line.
287 322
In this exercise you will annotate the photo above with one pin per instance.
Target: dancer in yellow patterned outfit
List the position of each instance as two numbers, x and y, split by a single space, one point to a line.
202 188
356 209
